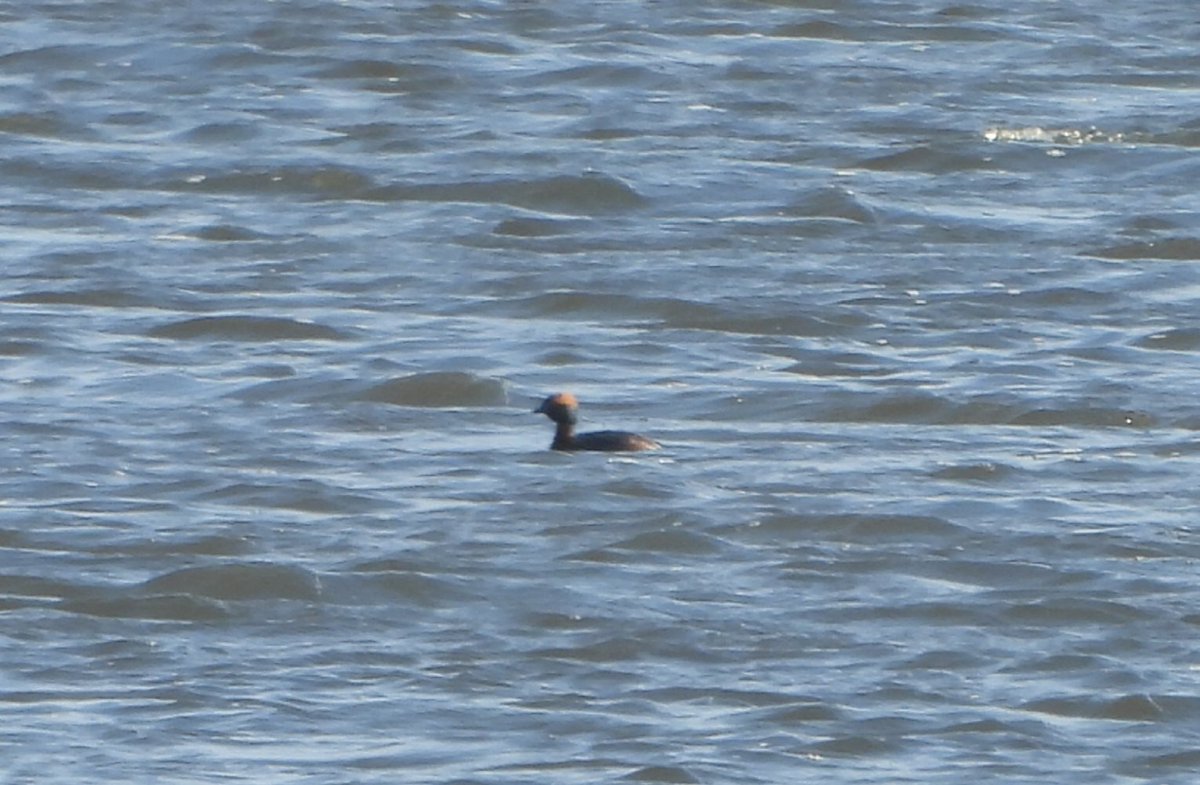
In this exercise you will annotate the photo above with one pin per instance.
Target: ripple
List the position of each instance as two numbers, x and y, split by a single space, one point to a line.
390 76
1188 760
1183 339
439 388
1065 611
1168 249
202 545
762 320
589 194
96 298
531 227
229 233
975 472
673 774
175 607
250 329
603 75
31 586
21 348
328 182
629 647
239 582
51 125
931 160
1086 416
221 133
1128 708
835 203
855 527
670 541
54 58
921 407
312 497
405 585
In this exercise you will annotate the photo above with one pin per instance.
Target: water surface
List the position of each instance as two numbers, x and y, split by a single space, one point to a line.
907 289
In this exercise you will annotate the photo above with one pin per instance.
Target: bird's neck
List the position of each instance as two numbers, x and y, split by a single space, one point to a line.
564 436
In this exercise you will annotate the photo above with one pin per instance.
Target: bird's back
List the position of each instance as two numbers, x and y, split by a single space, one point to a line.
612 441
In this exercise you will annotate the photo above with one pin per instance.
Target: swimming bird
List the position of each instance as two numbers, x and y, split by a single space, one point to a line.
564 410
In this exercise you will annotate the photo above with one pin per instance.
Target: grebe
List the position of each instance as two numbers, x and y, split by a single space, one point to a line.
564 410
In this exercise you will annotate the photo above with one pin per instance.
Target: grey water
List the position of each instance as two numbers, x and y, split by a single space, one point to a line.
908 289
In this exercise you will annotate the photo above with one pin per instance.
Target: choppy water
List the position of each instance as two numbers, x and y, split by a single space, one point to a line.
909 290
